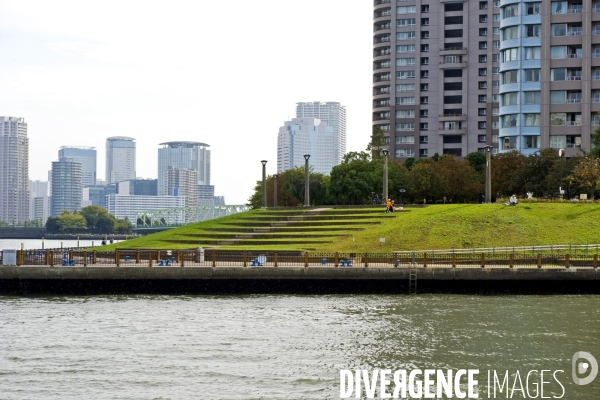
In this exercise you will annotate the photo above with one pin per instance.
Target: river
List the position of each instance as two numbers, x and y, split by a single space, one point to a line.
35 244
282 347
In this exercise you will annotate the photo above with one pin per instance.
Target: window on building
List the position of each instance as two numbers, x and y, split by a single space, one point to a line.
404 126
509 143
405 74
495 138
483 18
423 153
532 75
410 48
405 100
483 58
496 44
533 120
533 53
483 31
405 35
496 31
495 70
495 57
456 20
510 11
510 54
558 96
402 62
495 84
424 126
558 30
482 98
482 85
424 87
405 113
425 8
424 34
532 142
483 5
558 52
483 45
509 120
424 74
424 48
481 138
533 8
482 71
453 6
424 21
481 124
558 7
509 76
453 73
453 33
424 60
406 22
511 32
508 99
406 10
424 100
533 97
495 125
409 87
533 30
482 112
452 99
424 113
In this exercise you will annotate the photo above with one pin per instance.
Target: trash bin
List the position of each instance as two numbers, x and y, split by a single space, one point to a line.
200 254
9 257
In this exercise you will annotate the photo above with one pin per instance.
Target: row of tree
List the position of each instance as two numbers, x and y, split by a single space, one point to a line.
437 179
91 219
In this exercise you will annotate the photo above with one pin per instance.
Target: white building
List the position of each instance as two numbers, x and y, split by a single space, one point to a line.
86 156
183 155
302 136
120 159
14 170
331 113
127 206
38 197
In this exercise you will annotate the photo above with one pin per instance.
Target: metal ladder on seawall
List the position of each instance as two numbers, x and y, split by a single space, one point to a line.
412 281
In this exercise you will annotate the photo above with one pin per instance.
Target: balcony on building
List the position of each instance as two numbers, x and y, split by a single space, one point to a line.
381 78
574 97
382 39
381 2
453 61
383 13
381 26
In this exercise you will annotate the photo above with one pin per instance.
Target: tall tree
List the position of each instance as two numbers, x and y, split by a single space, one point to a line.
587 173
377 142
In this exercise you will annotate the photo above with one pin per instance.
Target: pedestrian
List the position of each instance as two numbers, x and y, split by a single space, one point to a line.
392 206
388 204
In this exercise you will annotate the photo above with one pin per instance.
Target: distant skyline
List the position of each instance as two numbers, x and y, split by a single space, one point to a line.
80 72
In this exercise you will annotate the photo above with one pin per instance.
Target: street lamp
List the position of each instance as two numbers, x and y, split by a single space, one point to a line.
264 184
561 153
385 174
306 199
488 174
275 190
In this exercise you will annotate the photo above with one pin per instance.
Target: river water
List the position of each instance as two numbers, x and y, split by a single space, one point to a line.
35 244
282 347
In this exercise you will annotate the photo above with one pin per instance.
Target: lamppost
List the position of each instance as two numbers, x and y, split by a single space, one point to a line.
561 153
488 174
264 184
385 174
306 199
275 190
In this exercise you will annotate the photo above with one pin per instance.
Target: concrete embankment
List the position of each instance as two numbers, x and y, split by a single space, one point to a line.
294 280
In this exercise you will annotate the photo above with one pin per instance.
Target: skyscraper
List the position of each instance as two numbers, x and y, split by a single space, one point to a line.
86 156
334 115
66 193
183 155
302 136
549 73
14 170
120 159
436 80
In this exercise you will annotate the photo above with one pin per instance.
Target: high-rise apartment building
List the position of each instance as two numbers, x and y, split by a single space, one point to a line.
120 159
39 201
182 183
66 193
183 155
549 75
306 136
436 76
86 156
331 113
138 187
14 170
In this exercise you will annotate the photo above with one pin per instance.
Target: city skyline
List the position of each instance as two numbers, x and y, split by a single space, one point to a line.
76 82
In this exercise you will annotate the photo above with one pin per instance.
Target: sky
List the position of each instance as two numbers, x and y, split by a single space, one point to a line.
223 73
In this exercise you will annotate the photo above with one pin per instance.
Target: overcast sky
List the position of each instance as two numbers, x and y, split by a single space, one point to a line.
226 73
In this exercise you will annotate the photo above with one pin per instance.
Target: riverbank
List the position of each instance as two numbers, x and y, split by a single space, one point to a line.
295 280
19 232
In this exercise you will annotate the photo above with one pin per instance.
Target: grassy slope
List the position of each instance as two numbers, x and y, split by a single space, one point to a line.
446 226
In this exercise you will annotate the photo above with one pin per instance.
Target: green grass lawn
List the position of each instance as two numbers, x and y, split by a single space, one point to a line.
433 227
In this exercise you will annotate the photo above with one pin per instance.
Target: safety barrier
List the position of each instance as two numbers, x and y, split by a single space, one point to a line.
199 257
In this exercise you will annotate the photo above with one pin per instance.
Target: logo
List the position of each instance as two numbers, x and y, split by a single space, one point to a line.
581 368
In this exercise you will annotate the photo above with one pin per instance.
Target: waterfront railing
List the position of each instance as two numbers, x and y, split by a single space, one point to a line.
538 258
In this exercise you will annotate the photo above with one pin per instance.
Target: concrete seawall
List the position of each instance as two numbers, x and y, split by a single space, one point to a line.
297 280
